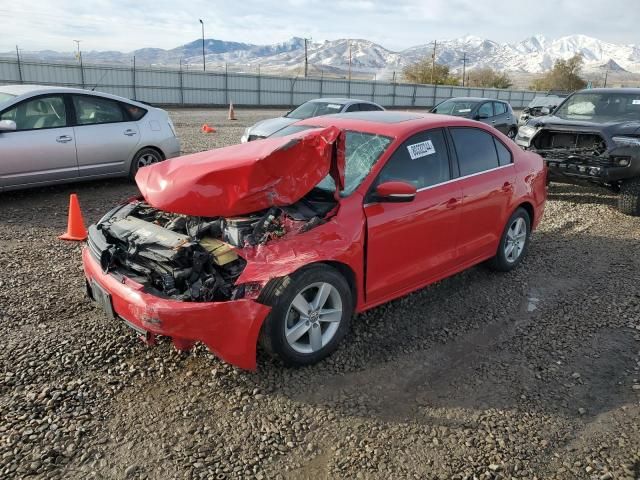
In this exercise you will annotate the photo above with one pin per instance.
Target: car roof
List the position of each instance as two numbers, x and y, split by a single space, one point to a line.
340 100
28 90
476 99
389 123
611 90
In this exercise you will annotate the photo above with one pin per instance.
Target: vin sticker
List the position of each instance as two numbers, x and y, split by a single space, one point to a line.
421 149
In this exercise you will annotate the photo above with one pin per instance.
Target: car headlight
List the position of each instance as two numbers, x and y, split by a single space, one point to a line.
526 131
626 141
245 135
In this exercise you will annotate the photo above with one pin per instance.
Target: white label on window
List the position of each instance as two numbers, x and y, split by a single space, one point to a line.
334 106
464 110
635 102
421 149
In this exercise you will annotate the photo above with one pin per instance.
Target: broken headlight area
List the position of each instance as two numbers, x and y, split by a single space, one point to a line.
584 152
194 258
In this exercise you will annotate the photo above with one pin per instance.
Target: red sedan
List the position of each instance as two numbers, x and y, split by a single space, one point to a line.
280 241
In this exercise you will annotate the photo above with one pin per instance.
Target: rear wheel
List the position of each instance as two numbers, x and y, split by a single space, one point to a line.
144 157
514 242
512 133
629 199
310 316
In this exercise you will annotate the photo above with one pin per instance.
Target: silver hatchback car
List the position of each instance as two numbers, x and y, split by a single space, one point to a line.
54 135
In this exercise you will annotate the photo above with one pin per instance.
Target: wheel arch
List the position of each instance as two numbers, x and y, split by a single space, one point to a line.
275 286
528 207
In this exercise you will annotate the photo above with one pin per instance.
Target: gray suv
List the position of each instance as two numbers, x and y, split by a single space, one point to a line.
496 113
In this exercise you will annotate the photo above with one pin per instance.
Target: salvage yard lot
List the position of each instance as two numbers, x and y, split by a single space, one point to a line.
535 373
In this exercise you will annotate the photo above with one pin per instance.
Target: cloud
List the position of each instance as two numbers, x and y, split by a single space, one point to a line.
126 26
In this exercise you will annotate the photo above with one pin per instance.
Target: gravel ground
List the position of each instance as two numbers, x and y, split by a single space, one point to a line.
531 374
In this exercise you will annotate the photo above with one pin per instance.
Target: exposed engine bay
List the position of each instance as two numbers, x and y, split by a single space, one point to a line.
566 145
195 258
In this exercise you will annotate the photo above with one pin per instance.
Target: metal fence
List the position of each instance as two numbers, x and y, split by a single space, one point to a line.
188 88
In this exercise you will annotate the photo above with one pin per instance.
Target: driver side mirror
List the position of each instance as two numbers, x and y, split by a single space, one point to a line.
480 116
7 126
545 110
395 191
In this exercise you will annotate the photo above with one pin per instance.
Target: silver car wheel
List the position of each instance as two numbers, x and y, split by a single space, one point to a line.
516 239
313 318
148 158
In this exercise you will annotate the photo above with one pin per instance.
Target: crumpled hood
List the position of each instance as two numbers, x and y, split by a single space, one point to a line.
245 178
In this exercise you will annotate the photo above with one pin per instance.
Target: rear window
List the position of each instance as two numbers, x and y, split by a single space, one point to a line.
134 112
476 150
5 97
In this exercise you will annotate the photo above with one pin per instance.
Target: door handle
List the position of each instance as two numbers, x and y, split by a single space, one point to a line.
493 121
451 203
129 132
63 139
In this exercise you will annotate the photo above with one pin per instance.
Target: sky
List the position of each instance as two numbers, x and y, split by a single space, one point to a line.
395 24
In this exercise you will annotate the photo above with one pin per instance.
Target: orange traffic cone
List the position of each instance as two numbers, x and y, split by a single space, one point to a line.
75 226
207 129
232 113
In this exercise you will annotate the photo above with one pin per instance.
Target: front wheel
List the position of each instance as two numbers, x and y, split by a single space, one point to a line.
629 199
144 157
514 242
310 316
512 133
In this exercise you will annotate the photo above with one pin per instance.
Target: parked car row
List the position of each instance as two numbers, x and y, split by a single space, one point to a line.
279 241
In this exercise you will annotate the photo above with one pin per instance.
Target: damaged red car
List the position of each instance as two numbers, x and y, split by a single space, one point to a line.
282 240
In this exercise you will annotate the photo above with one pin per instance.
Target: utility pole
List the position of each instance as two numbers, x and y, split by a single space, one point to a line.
306 59
204 64
78 54
19 65
79 57
464 66
606 74
433 59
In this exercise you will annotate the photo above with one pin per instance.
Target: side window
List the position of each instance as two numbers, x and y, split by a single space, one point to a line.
504 155
93 110
38 113
353 108
422 160
368 107
500 108
486 110
135 113
476 150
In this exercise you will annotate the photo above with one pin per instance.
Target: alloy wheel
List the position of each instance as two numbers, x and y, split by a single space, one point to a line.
313 318
516 239
147 159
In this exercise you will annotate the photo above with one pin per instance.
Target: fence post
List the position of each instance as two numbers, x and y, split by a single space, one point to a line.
181 85
226 83
259 87
413 97
349 88
435 94
133 72
393 95
19 65
509 99
81 71
321 82
373 91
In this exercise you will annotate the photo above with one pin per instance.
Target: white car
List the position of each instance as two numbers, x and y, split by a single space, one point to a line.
54 135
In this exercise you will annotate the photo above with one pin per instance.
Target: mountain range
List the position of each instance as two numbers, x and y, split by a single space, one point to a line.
533 55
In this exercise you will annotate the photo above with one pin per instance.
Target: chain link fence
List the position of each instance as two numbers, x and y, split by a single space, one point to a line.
180 87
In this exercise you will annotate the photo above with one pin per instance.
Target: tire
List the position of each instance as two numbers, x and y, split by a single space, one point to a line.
144 157
512 133
510 254
629 199
300 340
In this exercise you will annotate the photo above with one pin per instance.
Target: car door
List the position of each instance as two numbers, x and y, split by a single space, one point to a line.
500 117
42 148
106 138
412 243
487 176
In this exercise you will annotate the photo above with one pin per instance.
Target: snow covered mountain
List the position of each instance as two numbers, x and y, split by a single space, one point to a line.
532 55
